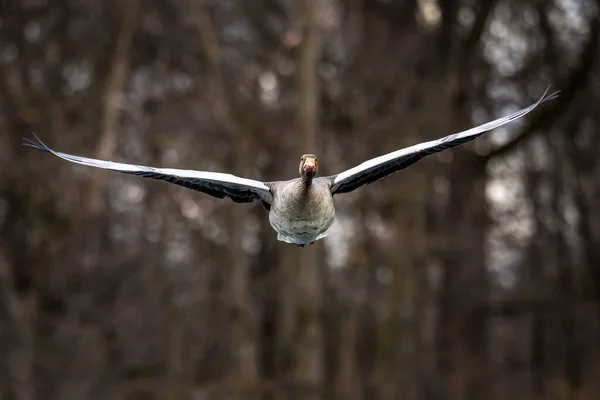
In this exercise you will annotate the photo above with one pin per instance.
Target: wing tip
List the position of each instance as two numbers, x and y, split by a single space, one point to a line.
36 144
551 96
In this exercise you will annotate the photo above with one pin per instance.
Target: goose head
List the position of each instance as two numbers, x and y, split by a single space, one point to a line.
308 167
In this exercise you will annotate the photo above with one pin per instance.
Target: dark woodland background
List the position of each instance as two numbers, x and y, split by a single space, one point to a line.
475 274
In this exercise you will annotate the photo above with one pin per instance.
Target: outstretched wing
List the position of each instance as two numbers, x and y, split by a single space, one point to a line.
379 167
240 190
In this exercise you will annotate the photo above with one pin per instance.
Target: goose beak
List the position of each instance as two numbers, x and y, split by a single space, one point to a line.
310 167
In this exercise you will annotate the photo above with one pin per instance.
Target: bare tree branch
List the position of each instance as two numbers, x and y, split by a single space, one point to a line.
246 368
307 78
550 52
465 55
447 37
113 98
547 116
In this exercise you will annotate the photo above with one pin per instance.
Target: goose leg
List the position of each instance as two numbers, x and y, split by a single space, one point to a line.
299 245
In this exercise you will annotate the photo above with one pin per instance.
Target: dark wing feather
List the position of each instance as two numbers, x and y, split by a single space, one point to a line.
379 167
219 185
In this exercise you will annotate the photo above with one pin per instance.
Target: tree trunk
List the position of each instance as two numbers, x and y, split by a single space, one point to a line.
309 350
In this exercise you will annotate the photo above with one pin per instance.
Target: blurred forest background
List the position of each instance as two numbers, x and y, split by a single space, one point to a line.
475 274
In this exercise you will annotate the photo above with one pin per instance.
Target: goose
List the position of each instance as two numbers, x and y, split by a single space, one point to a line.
301 210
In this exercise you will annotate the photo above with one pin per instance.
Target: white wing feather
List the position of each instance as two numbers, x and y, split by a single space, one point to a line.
378 167
225 184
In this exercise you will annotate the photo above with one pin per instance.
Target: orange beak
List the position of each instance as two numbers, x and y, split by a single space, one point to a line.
310 165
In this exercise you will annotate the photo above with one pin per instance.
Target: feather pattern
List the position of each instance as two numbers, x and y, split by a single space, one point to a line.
240 190
379 167
300 210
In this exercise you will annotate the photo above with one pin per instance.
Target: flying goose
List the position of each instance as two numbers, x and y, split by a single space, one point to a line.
300 210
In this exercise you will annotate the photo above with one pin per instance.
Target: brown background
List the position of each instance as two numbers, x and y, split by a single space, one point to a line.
475 274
